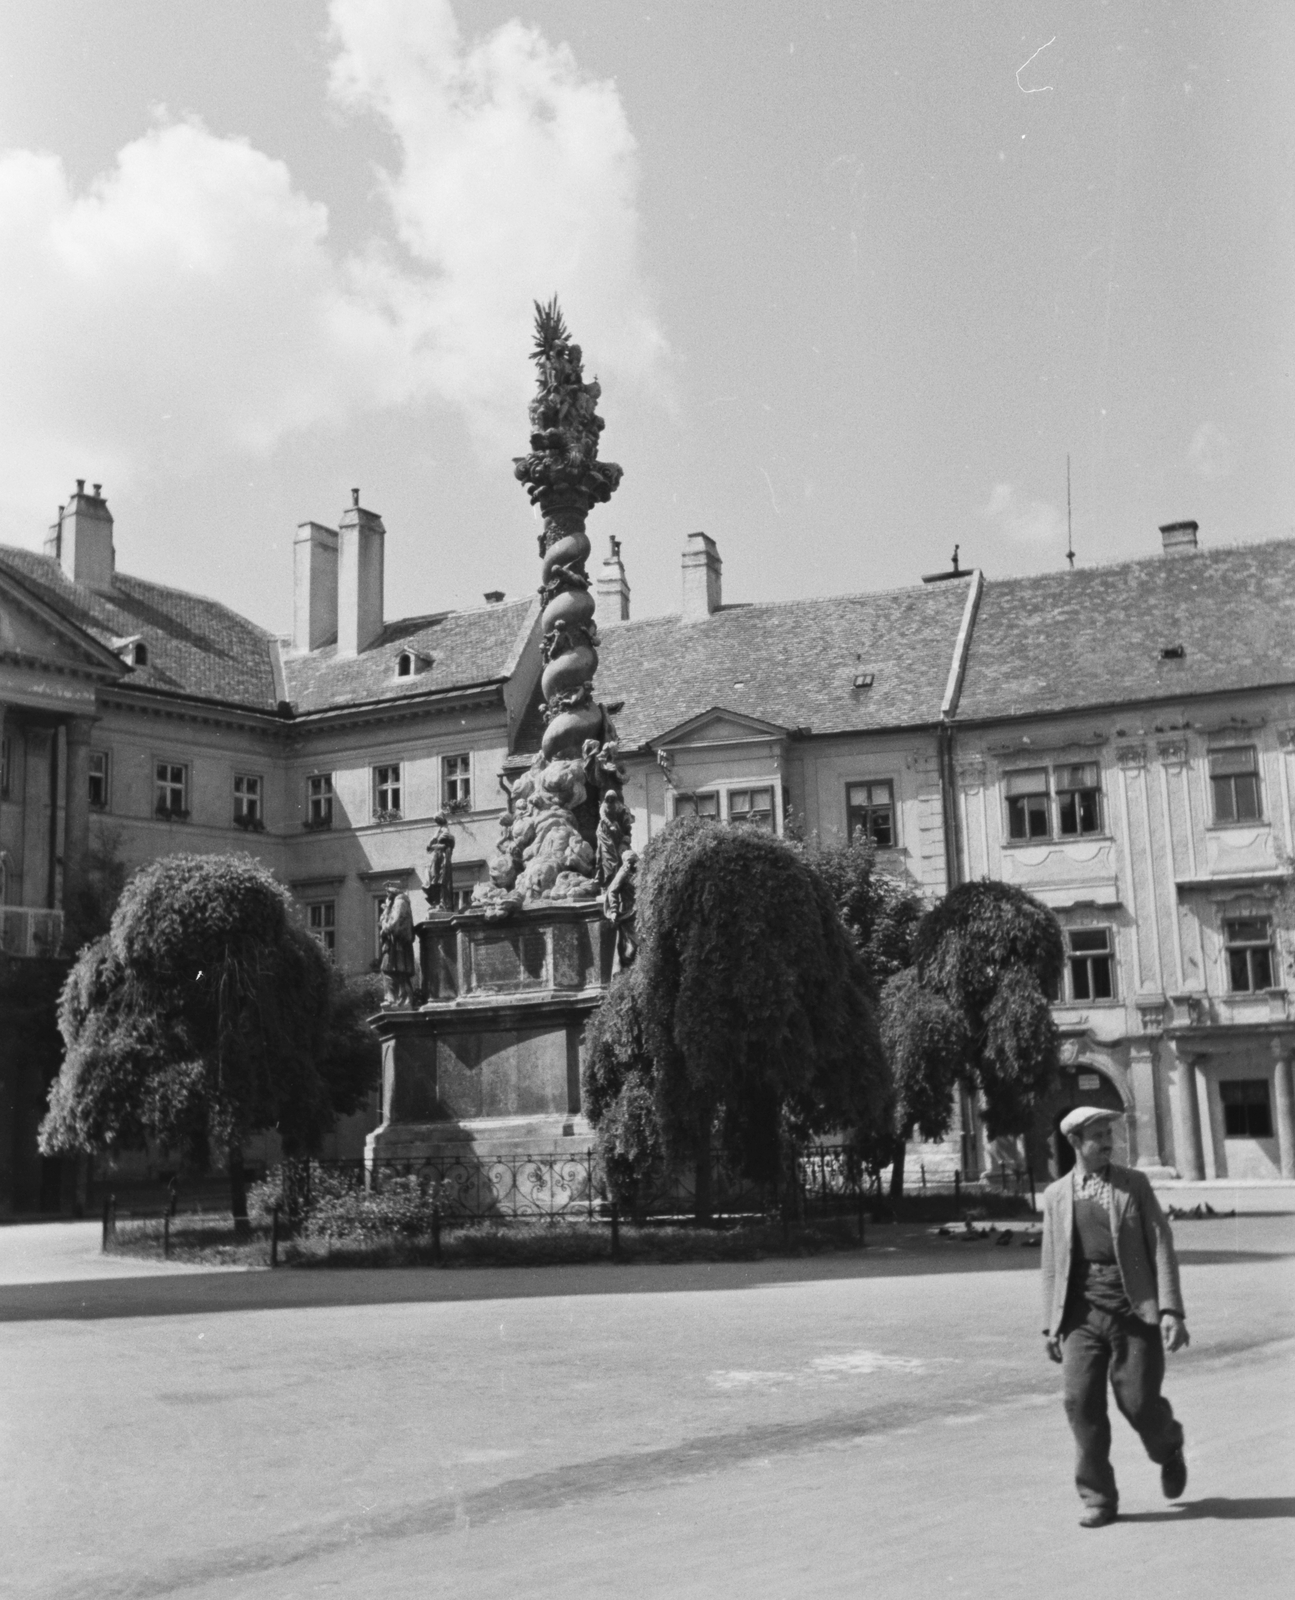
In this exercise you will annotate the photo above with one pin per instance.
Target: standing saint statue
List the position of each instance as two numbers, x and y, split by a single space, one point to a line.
438 876
396 949
620 908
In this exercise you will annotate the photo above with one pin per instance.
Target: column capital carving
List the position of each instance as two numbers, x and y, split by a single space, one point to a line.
1172 752
1131 755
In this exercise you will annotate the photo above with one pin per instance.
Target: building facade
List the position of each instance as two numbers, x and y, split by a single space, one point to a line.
1116 741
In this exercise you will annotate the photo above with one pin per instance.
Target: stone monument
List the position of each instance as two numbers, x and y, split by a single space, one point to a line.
489 1063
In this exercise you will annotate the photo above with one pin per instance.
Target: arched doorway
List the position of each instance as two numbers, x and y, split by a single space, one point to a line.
1082 1084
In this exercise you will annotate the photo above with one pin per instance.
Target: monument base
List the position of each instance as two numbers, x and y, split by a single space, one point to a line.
489 1065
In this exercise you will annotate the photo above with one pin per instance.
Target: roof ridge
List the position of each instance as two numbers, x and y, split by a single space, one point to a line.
801 600
1156 559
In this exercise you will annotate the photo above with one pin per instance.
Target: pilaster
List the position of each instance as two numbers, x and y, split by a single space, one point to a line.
1183 1097
1284 1095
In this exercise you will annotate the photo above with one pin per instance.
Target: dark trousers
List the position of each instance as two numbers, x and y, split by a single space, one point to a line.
1097 1343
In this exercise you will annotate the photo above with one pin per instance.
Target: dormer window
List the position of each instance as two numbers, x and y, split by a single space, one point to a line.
409 663
132 650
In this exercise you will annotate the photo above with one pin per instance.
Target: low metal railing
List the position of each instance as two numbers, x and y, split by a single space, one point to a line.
574 1186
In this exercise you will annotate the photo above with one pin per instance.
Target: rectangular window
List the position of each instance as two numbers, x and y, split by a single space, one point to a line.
1234 779
386 793
321 919
1091 962
1249 943
753 807
1247 1111
1079 799
870 813
697 805
466 879
247 800
99 780
1027 804
456 782
171 789
319 801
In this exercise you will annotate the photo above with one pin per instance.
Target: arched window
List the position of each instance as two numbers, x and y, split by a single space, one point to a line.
404 664
140 654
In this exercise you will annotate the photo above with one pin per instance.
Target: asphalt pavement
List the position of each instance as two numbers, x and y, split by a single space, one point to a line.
877 1423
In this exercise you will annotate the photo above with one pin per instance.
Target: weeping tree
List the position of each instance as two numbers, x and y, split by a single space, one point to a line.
926 1044
974 1007
746 1016
205 1014
880 910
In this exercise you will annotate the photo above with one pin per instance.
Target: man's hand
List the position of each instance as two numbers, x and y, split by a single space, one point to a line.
1052 1344
1173 1330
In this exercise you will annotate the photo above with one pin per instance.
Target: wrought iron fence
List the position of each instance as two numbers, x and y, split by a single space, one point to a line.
464 1185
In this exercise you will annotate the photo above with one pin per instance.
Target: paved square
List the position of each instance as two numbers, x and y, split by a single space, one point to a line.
881 1423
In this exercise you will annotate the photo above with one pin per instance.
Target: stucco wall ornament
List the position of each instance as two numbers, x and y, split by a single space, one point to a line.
566 833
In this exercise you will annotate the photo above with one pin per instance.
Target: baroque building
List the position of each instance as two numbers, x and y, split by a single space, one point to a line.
1115 740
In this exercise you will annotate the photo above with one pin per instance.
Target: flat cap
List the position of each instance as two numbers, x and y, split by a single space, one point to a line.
1081 1116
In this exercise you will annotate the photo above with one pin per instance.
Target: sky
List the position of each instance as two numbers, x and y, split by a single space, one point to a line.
855 278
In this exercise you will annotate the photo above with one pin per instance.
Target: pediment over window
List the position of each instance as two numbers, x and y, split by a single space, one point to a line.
719 726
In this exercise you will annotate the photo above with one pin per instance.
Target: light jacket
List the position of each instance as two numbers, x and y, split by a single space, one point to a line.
1144 1247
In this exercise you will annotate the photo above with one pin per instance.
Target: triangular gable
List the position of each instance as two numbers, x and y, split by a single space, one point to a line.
719 726
29 626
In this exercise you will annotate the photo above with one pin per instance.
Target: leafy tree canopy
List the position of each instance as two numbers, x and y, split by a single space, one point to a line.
206 1011
747 1007
880 910
988 952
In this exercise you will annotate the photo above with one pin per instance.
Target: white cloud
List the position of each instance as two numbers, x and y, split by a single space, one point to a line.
188 301
1026 521
1210 454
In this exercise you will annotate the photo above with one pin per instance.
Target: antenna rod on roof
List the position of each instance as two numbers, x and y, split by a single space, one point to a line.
1070 537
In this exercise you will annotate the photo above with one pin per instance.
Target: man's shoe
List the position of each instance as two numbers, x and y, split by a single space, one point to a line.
1173 1476
1098 1517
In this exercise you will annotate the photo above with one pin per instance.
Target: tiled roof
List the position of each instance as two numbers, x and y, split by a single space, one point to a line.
195 646
465 647
793 663
1094 636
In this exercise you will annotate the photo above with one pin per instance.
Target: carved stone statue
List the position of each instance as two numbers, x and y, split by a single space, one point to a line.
614 828
396 949
561 823
619 907
438 875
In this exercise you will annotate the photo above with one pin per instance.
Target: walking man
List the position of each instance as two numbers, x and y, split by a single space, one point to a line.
1112 1306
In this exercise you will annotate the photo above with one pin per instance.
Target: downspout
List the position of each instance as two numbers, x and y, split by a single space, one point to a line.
52 893
944 736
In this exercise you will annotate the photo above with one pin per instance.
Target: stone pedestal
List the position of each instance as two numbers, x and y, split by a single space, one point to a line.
490 1064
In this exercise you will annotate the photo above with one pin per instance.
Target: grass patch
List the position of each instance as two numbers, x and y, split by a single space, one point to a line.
206 1239
209 1240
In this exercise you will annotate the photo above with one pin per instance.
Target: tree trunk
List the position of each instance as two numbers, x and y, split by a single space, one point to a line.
238 1191
897 1169
702 1201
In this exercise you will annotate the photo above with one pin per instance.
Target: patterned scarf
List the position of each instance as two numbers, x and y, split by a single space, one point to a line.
1093 1186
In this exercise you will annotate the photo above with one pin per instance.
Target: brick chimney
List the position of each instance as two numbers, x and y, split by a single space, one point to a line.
613 588
1178 538
359 578
81 540
314 586
702 568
